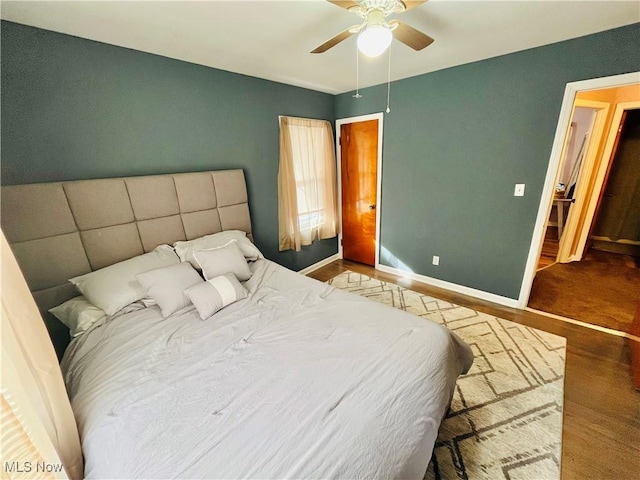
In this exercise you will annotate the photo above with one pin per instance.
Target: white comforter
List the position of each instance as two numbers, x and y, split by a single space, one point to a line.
299 380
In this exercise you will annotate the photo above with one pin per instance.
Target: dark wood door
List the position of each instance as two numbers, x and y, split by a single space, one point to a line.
359 173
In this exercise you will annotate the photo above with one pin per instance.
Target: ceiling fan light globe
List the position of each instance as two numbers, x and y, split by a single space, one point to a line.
374 40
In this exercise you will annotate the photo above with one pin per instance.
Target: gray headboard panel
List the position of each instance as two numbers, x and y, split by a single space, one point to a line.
63 229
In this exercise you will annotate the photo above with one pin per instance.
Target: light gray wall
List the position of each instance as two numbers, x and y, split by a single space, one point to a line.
458 140
76 109
583 119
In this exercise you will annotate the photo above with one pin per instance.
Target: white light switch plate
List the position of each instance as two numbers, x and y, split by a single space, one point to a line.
519 191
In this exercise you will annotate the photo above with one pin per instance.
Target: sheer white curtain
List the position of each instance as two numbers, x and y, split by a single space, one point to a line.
39 436
307 208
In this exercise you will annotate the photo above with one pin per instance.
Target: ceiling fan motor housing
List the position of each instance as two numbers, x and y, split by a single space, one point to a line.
376 18
375 33
386 7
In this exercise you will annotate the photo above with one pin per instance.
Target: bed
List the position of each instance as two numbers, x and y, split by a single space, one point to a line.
292 379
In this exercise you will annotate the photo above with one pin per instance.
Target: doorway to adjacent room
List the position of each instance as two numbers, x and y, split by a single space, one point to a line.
585 130
594 274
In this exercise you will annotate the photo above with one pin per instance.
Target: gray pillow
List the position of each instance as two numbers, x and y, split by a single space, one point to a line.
114 287
78 314
185 249
222 260
215 294
166 286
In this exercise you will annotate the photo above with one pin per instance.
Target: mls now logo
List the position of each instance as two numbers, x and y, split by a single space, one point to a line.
27 467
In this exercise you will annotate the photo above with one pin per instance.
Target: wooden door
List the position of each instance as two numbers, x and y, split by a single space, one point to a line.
359 174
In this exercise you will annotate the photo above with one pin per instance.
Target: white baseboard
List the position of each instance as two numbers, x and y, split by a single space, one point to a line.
610 331
320 264
454 287
472 292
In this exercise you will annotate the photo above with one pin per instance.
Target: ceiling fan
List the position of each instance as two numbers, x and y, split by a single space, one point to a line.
375 33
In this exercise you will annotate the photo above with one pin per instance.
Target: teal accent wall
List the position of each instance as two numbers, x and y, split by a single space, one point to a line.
77 109
455 143
458 140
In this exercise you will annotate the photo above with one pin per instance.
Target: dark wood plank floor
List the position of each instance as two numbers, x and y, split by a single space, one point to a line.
601 289
550 248
601 430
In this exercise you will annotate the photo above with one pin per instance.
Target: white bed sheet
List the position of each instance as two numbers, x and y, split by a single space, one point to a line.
299 380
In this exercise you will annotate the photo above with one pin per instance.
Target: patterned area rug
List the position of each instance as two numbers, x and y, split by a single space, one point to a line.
505 420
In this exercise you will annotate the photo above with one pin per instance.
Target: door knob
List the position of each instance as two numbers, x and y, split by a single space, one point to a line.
372 207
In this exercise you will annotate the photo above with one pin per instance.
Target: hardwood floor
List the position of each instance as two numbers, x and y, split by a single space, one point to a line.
549 248
601 289
601 430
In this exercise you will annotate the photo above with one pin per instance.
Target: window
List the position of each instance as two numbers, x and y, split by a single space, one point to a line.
306 182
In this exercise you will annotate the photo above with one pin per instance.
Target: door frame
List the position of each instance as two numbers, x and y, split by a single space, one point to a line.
608 153
562 129
344 121
572 243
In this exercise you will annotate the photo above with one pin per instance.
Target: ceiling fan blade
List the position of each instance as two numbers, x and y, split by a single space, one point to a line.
346 4
410 36
334 41
408 5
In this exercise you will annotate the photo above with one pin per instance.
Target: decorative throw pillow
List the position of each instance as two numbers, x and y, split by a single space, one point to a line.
77 314
215 294
114 287
166 286
222 260
185 249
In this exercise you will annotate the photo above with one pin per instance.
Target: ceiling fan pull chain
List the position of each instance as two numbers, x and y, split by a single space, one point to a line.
389 81
357 95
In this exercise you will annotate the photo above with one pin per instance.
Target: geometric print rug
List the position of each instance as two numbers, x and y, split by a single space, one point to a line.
505 420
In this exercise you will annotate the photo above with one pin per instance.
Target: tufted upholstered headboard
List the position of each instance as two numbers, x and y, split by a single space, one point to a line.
63 229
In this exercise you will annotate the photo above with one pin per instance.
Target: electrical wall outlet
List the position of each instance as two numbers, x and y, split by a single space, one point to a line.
436 260
519 191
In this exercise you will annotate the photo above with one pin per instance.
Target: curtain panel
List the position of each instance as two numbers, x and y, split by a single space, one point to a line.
39 436
307 204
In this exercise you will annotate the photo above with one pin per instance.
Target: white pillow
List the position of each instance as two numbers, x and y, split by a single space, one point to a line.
114 287
185 249
77 314
222 260
215 294
167 284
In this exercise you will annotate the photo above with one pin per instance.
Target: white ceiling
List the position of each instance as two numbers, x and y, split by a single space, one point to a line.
272 39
